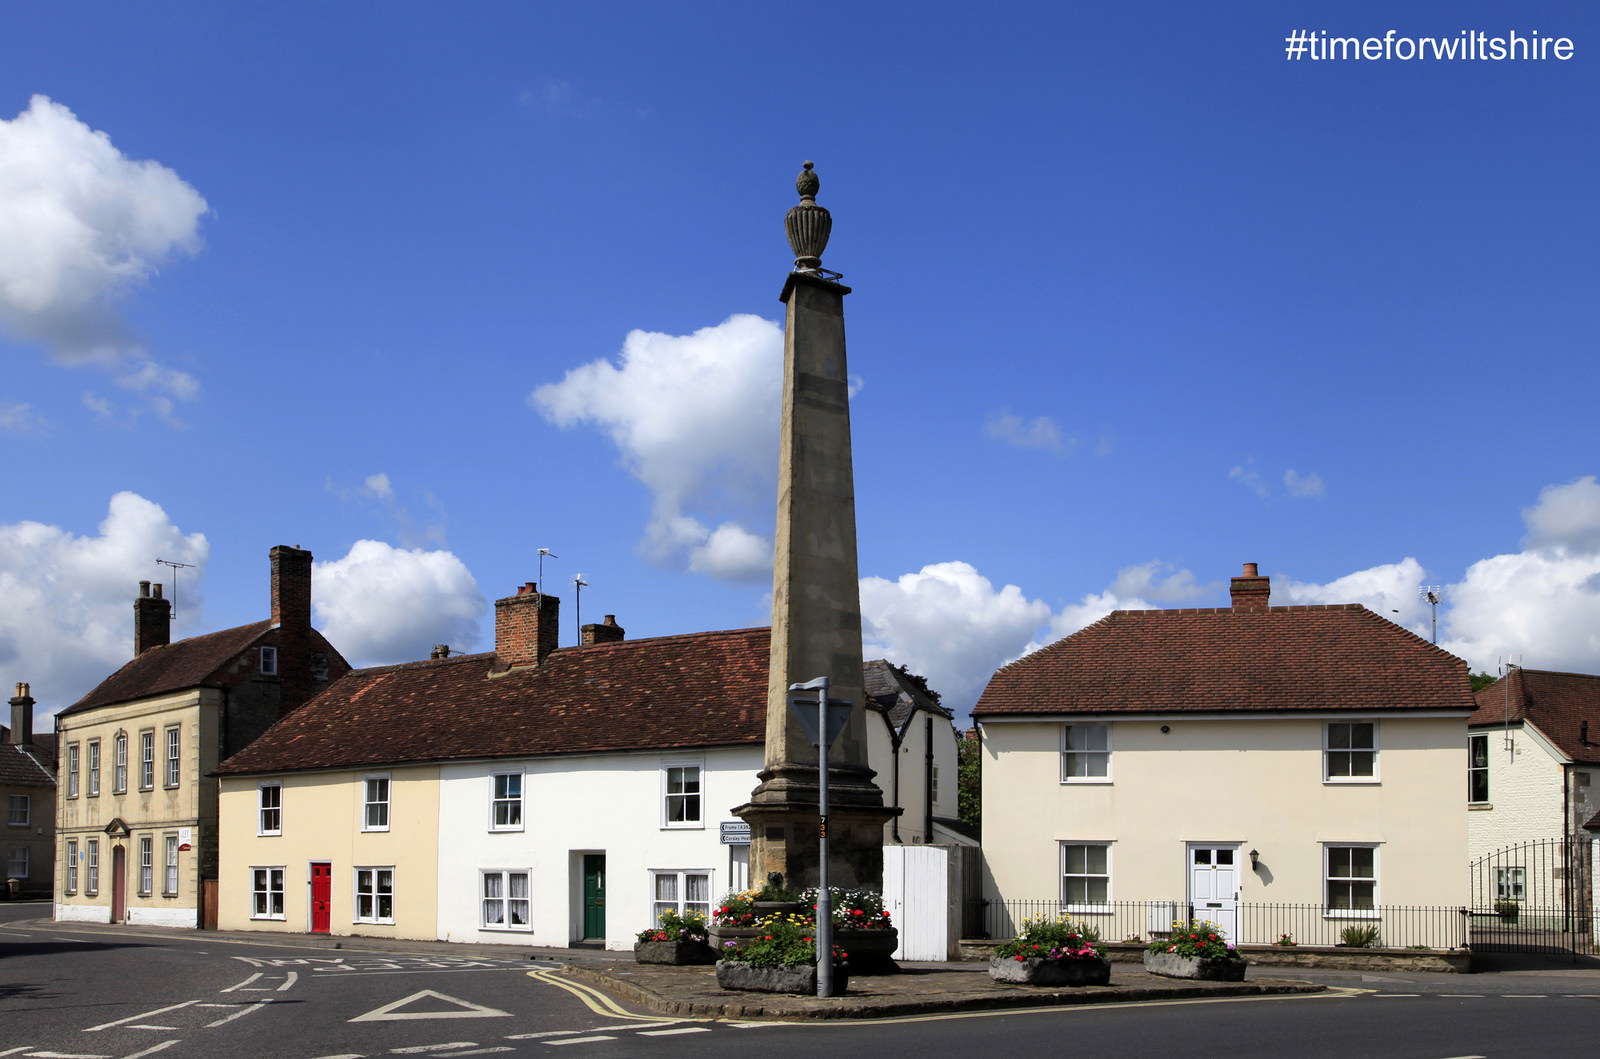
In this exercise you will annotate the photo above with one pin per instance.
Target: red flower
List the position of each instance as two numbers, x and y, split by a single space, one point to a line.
1019 957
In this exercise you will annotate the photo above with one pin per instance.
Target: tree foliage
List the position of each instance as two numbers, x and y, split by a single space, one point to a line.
969 781
1481 680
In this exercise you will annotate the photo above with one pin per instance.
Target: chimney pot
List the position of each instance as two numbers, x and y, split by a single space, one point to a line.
1250 569
155 590
21 717
144 589
152 620
607 631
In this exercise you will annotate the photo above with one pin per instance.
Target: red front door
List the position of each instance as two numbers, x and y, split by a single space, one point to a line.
321 886
119 883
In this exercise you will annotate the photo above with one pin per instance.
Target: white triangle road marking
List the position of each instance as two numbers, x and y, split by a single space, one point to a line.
468 1010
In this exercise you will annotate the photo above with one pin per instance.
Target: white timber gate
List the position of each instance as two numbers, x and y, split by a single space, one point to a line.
916 892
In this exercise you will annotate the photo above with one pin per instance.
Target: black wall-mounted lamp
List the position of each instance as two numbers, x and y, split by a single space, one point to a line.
1255 859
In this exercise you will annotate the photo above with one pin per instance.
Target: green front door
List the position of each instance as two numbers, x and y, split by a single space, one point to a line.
594 896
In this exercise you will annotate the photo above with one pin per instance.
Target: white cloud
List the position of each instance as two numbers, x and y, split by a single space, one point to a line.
379 489
1041 432
80 226
1542 603
67 623
1391 589
18 418
1145 582
1566 521
1309 485
949 623
1249 477
695 418
381 604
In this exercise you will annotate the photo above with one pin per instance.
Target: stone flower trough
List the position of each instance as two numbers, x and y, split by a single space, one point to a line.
1171 965
1088 970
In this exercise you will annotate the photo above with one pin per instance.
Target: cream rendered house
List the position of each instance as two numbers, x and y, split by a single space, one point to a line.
1272 769
136 815
911 744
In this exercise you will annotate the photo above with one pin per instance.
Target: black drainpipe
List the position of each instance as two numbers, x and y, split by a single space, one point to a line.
927 830
894 774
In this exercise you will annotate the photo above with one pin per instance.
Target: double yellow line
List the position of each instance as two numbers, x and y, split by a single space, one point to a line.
597 1001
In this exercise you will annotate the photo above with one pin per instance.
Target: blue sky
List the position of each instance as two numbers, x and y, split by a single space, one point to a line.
1137 299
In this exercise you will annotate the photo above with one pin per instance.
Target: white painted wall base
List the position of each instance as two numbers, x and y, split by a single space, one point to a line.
83 913
164 917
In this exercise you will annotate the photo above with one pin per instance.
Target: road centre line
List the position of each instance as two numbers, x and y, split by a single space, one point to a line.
12 1051
581 1040
64 1055
486 1051
1523 996
143 1015
150 1026
423 1049
669 1033
1463 996
1377 996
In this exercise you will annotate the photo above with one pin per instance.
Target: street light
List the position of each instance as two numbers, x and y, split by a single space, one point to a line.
824 727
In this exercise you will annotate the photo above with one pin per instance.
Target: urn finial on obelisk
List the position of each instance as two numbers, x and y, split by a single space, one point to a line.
808 225
816 599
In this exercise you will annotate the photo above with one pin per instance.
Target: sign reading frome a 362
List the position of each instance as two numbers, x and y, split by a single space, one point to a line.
735 833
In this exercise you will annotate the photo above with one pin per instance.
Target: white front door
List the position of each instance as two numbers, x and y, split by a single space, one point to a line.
1214 886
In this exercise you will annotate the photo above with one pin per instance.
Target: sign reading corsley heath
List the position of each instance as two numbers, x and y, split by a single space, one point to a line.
735 833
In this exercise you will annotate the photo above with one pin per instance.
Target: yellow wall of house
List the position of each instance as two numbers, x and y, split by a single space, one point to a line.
156 811
1253 782
321 822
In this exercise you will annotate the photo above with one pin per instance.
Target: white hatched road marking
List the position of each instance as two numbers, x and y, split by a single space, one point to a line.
244 984
142 1015
18 1048
669 1033
61 1055
422 1049
153 1049
581 1040
257 1006
152 1026
486 1051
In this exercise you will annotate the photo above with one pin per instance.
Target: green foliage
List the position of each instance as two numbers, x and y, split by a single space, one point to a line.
1198 937
1481 680
1507 907
782 941
1360 936
691 926
1047 939
969 781
736 910
771 891
1286 940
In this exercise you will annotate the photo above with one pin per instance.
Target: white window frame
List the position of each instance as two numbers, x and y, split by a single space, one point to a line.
1329 750
71 886
1329 879
512 804
91 882
147 853
269 818
266 892
1511 883
174 770
119 776
170 875
94 768
933 774
679 901
496 911
1087 753
19 810
17 863
1068 905
147 760
1473 742
695 798
72 770
376 812
269 660
372 877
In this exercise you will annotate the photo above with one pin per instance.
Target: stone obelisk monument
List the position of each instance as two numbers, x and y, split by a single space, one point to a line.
816 602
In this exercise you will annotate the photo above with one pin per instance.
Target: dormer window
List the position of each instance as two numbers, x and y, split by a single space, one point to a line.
269 661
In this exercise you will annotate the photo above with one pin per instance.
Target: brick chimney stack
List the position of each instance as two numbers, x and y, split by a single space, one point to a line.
607 631
1251 591
152 619
21 717
291 587
525 627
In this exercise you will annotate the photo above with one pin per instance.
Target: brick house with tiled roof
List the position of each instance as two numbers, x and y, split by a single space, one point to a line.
1534 749
136 814
1224 757
28 798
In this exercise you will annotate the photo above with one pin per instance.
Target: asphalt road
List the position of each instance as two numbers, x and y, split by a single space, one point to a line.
101 993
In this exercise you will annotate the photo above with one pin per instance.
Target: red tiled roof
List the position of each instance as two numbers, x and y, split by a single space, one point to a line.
1555 703
1280 659
25 766
670 692
171 667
